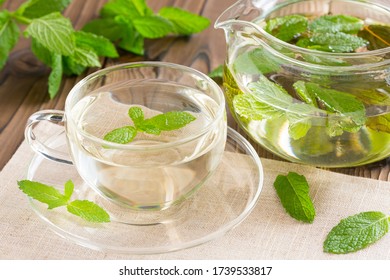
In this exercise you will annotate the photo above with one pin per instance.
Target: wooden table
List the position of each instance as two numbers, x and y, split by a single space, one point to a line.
23 81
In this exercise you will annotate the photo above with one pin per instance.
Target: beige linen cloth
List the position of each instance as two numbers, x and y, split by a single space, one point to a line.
268 233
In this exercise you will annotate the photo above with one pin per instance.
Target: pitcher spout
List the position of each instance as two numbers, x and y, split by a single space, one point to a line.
242 12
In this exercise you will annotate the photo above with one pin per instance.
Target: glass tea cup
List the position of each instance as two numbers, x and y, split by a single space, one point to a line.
155 170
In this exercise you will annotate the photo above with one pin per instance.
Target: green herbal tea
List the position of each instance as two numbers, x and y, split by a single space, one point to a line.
313 106
146 178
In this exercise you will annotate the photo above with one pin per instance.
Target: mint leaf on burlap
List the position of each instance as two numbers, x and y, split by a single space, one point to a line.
293 191
356 232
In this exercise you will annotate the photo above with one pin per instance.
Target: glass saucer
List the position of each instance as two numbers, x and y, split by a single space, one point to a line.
224 201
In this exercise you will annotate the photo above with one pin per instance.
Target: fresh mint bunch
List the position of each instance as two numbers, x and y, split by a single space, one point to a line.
49 195
155 125
53 39
128 23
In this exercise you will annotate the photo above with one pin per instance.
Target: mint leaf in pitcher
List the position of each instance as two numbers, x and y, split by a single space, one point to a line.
155 125
49 195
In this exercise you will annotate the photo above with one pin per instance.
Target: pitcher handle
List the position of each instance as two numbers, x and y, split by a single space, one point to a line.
53 116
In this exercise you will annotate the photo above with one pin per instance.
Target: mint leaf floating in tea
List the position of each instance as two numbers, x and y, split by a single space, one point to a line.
293 191
332 42
49 195
377 35
356 232
122 135
155 125
336 23
288 27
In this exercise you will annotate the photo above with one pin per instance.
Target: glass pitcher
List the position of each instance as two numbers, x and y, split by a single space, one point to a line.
306 105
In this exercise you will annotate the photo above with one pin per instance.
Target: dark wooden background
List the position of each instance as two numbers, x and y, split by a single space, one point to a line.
23 81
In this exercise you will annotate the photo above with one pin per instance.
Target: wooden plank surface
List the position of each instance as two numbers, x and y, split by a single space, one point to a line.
23 81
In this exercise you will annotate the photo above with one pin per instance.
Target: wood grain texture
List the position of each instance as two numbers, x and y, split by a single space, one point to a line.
23 81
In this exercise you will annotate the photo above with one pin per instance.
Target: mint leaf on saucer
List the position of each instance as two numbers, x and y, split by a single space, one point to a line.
293 191
356 232
49 195
184 22
88 211
43 193
122 135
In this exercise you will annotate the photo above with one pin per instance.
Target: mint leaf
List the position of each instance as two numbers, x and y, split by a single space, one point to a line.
131 40
356 232
9 36
153 26
336 23
42 53
249 108
216 72
43 193
299 117
68 189
169 121
54 32
255 61
270 93
340 102
137 115
88 211
106 27
38 8
332 42
55 76
288 27
71 67
184 22
121 135
101 45
377 35
304 94
85 56
293 191
379 123
128 8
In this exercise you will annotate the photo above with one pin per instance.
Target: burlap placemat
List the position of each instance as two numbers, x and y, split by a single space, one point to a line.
268 232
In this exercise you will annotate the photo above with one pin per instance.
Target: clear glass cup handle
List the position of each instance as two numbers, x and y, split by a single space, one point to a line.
53 116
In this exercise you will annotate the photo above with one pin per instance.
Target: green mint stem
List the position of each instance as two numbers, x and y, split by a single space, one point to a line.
21 19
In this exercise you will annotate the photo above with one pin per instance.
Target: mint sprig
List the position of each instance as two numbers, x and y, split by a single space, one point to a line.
49 195
293 192
155 125
127 23
356 232
53 39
